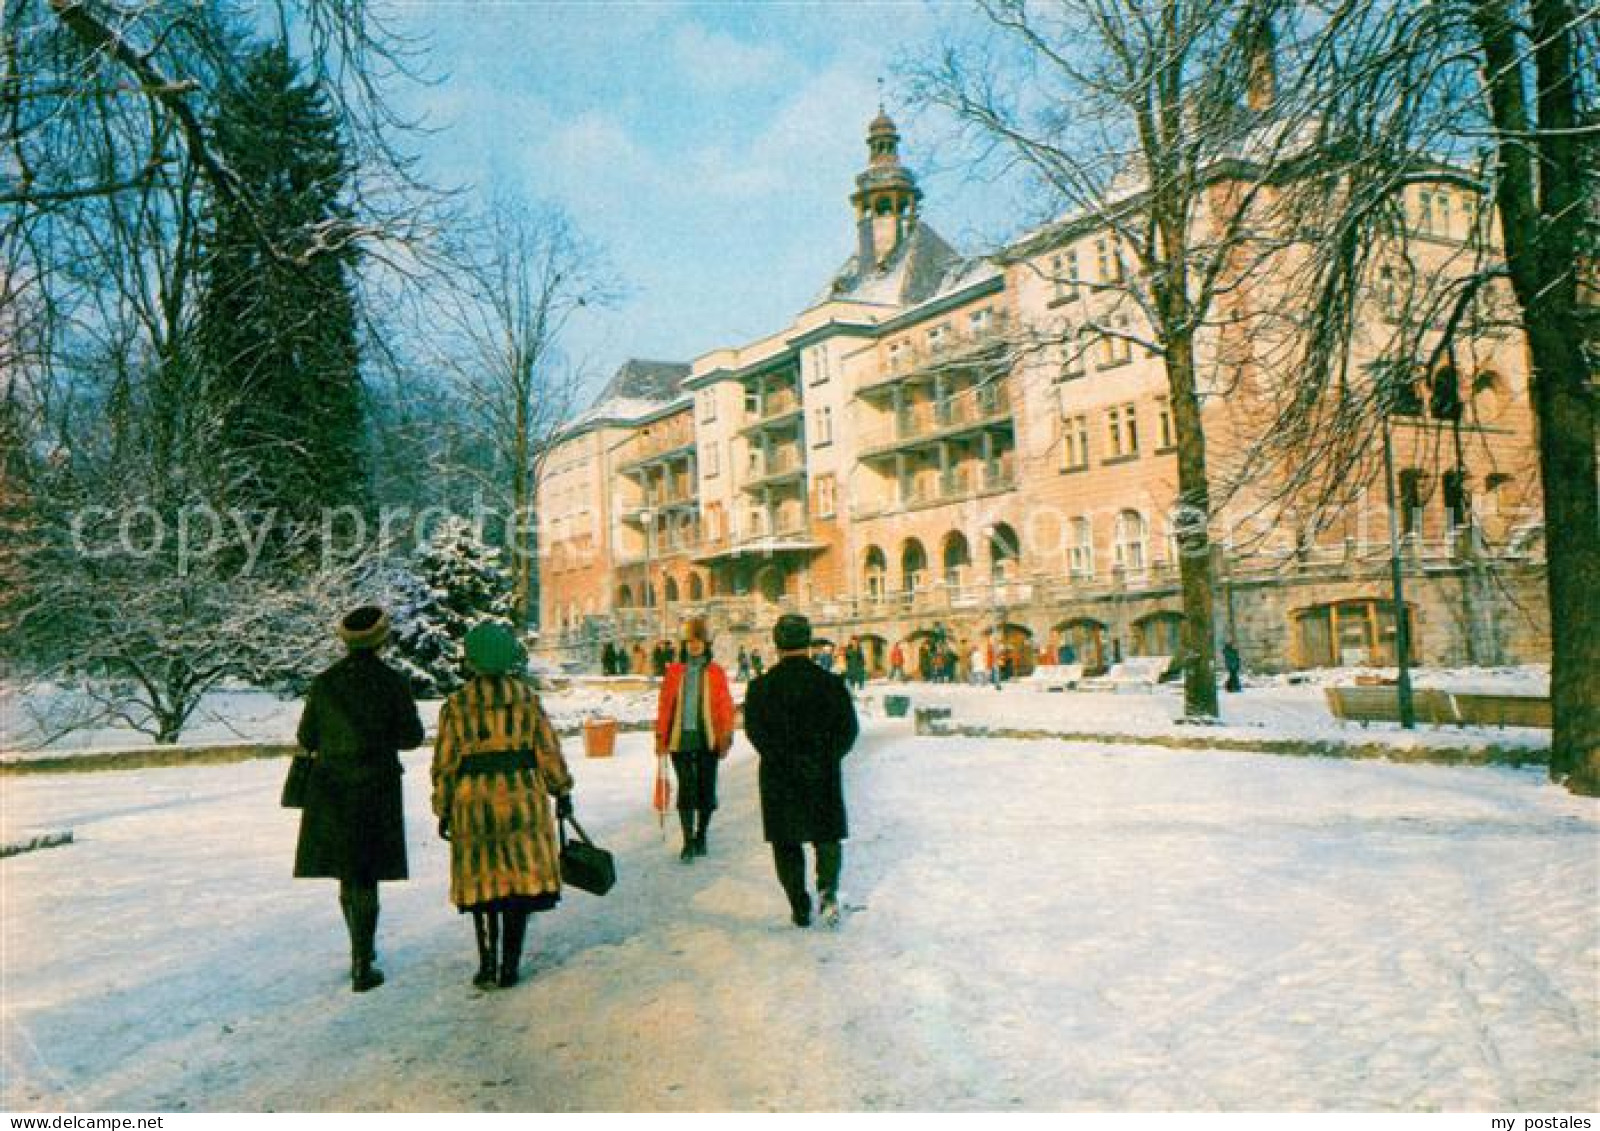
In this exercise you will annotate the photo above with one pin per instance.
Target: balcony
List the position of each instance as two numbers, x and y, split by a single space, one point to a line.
778 410
928 422
933 488
783 467
659 446
954 351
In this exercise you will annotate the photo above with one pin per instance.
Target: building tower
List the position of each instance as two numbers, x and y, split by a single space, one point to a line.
886 197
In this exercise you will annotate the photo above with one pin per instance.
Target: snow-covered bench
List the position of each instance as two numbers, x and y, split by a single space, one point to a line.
1055 677
1480 709
1382 705
1139 673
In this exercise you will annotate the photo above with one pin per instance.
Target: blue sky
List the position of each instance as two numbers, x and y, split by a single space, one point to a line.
710 147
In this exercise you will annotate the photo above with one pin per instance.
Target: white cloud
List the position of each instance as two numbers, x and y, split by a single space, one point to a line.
714 61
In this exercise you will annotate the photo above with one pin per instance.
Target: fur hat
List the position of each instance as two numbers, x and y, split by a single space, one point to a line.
792 632
364 628
492 648
695 629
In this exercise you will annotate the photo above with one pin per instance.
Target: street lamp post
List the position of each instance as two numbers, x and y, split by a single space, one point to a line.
1402 627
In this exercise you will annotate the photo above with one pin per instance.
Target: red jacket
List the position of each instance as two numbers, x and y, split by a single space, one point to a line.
716 708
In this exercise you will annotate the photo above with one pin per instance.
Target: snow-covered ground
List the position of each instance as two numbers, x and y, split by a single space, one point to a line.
1291 707
1033 925
249 715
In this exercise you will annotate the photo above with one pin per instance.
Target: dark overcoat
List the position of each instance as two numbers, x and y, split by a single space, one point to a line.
359 715
802 723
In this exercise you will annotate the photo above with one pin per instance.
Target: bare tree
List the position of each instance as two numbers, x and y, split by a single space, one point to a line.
1501 100
524 272
1157 124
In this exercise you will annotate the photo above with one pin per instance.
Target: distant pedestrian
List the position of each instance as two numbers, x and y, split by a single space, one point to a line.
496 764
358 716
694 725
802 724
1235 665
855 665
980 666
608 659
897 662
744 666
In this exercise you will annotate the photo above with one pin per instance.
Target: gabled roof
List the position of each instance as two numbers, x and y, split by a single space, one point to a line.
912 273
640 390
644 380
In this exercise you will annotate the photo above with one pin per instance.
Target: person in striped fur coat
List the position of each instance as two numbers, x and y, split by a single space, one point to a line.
496 764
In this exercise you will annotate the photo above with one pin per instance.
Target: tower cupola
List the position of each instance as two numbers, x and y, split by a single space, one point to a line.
886 195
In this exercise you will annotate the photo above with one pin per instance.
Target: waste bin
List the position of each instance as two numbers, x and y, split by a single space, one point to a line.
896 706
599 737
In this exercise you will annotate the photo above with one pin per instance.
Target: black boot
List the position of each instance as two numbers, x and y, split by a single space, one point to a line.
516 929
686 819
700 833
486 925
363 922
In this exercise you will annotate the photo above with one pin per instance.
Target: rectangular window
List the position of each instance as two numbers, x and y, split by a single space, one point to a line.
824 427
1114 433
1081 549
708 406
936 337
713 465
1072 351
1070 261
1074 443
1130 426
1109 259
979 321
826 496
1058 277
752 403
1164 421
818 361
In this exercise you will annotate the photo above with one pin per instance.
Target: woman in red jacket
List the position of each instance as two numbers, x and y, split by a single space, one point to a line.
694 724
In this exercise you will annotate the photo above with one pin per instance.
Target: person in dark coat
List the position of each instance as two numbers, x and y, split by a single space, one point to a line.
802 724
359 715
1235 665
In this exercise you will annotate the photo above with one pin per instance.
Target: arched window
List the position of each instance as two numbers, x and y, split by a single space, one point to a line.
1488 395
1080 548
697 589
1348 633
1085 642
957 558
624 597
1128 548
913 565
1159 634
1005 551
672 590
873 573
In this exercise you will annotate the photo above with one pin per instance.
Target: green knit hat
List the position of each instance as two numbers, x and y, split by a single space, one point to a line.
492 649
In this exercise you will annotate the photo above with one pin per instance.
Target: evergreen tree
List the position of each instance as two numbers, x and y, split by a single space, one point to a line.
278 318
456 582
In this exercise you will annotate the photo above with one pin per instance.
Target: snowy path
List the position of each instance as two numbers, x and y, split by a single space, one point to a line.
1040 926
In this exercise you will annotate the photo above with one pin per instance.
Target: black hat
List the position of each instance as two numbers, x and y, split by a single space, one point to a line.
364 628
792 632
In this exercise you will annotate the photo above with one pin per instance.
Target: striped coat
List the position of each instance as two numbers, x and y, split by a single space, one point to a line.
496 763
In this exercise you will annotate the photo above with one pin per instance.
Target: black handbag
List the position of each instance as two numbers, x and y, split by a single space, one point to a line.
584 864
297 783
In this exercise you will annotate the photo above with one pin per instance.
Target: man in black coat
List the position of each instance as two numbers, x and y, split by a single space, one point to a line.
359 715
802 723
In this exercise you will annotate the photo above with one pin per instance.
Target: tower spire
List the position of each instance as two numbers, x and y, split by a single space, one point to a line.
886 195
